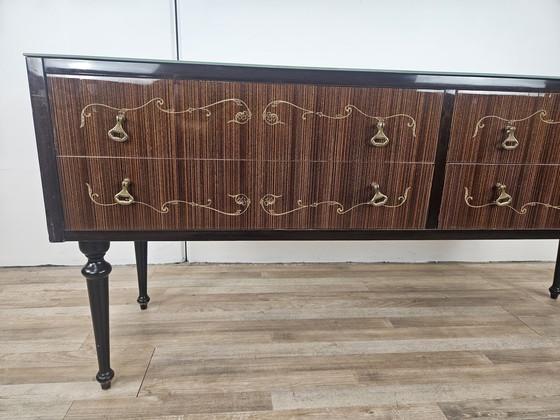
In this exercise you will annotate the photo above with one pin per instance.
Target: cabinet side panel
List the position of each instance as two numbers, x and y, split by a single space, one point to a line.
46 148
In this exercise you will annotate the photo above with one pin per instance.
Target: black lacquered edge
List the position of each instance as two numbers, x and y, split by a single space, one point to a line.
45 146
245 73
310 235
438 177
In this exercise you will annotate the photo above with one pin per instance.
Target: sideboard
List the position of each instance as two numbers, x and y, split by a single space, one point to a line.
133 150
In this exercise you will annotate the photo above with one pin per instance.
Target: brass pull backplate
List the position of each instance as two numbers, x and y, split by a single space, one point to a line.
123 196
510 142
117 133
504 199
379 199
380 139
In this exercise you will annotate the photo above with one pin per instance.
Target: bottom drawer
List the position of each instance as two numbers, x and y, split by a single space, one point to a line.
480 196
170 194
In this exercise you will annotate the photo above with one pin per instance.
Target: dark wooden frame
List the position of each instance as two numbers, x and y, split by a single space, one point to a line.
40 66
95 243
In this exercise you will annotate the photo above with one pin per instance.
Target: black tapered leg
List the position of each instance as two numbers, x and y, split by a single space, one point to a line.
96 271
555 288
141 250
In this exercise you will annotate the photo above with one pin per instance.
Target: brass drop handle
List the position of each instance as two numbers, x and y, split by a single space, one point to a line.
123 197
380 139
504 198
510 142
379 199
117 133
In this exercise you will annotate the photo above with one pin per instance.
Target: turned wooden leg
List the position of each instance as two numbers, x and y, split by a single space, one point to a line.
555 288
141 250
96 271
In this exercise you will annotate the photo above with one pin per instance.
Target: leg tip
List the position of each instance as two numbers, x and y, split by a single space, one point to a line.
143 301
105 379
554 292
105 385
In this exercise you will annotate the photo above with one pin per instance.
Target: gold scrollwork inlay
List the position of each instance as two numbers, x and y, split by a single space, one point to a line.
510 122
117 133
379 200
270 115
504 200
125 198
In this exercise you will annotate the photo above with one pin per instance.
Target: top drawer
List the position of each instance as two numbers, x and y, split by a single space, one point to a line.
351 124
197 119
505 127
156 118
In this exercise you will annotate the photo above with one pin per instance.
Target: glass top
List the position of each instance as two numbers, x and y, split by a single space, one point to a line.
145 60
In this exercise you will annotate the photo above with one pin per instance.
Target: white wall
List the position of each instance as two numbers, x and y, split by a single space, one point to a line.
139 28
496 36
480 36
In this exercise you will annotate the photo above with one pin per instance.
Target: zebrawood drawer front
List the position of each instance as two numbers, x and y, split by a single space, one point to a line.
157 194
352 124
344 195
126 117
147 194
199 119
501 197
505 127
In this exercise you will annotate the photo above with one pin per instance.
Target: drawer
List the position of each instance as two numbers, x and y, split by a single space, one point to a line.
162 118
505 127
352 124
167 194
171 194
321 195
501 197
199 119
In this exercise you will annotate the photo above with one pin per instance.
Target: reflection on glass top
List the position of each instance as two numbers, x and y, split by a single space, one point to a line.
156 61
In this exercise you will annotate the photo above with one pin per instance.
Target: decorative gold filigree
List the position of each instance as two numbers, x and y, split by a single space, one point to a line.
541 113
504 200
125 198
378 200
537 203
117 133
272 118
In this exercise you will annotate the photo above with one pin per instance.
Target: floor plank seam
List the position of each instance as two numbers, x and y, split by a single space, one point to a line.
145 373
523 322
67 411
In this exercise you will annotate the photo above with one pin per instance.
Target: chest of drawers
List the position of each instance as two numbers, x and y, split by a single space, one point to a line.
144 150
280 156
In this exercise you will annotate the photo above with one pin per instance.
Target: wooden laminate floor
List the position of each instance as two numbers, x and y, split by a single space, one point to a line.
329 341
